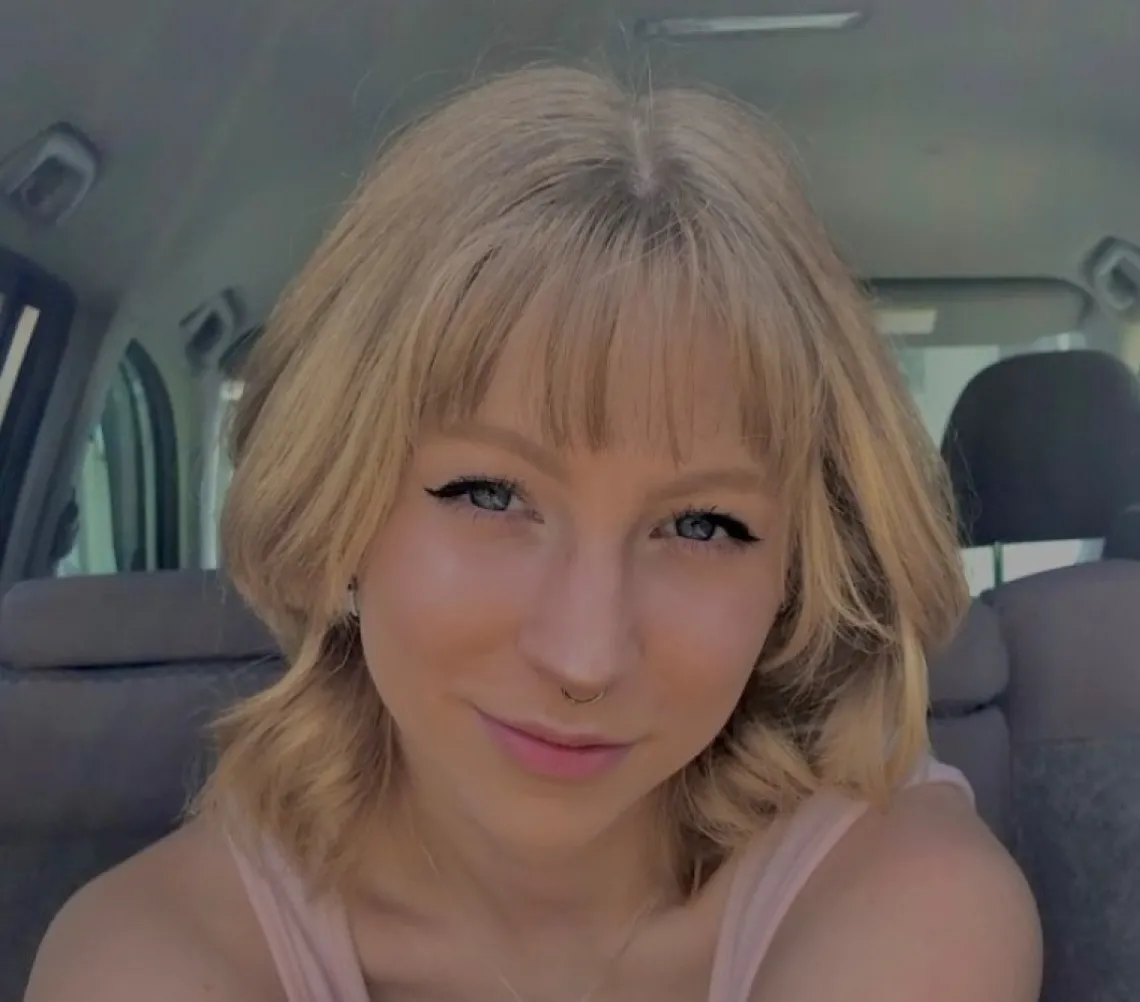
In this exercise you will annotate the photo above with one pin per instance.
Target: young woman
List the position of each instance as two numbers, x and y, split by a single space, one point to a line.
605 547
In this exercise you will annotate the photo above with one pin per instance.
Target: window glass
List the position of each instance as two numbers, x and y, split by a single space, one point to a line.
937 374
13 361
218 469
123 512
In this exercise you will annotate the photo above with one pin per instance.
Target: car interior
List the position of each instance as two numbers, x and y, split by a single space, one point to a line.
166 167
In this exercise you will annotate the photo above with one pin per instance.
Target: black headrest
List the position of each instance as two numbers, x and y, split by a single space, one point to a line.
1045 446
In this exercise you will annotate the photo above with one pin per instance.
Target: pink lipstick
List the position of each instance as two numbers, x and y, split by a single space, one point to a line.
553 754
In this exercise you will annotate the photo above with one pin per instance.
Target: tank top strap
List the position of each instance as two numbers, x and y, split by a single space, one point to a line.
308 938
767 883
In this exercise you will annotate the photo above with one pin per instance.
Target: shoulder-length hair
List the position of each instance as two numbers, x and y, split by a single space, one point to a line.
556 190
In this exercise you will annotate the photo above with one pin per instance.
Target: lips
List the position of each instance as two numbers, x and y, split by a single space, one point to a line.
556 755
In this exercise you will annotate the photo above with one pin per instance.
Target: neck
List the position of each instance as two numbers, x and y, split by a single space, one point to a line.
600 882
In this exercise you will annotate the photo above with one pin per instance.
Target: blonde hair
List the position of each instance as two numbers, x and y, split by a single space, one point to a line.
557 187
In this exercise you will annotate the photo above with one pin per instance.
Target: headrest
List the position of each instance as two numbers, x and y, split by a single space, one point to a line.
1122 541
166 617
973 670
1045 446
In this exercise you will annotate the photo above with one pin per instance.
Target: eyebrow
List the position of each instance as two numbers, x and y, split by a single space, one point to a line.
512 441
736 478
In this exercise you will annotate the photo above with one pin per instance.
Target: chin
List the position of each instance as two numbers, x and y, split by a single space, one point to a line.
545 819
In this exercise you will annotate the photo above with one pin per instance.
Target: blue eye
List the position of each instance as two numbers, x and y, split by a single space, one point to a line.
699 528
484 493
709 527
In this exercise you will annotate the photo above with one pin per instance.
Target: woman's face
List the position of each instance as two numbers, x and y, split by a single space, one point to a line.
512 575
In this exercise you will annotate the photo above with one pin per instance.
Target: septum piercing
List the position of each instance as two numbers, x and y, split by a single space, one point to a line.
571 698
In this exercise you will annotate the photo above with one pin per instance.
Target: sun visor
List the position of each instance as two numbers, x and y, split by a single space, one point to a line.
978 311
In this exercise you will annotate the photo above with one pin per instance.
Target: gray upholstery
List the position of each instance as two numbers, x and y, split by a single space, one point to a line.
1054 758
974 670
106 687
968 682
1074 713
1073 636
166 617
1047 447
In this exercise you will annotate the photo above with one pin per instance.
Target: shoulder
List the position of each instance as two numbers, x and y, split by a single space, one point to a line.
919 902
171 923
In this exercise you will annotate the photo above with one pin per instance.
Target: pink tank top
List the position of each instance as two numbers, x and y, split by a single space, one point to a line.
312 946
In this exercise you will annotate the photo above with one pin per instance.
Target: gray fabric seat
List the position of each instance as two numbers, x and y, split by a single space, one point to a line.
1047 447
106 688
1038 702
1074 715
969 682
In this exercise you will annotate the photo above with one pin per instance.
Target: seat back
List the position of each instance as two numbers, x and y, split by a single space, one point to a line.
106 687
1037 700
968 727
1074 714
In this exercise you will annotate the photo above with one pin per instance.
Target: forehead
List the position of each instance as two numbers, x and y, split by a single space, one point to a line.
648 384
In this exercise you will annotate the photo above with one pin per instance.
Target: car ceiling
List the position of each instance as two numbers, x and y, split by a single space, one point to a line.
966 138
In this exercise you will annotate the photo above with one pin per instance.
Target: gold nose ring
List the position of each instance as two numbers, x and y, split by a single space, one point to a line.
571 698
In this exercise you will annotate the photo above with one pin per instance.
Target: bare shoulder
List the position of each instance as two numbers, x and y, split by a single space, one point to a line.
171 923
920 902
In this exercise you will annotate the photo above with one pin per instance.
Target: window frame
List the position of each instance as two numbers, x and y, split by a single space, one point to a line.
22 285
136 432
152 407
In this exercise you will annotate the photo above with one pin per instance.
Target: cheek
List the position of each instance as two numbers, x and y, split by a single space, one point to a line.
706 628
435 598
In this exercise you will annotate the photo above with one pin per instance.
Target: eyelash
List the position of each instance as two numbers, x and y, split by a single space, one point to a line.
455 491
736 533
460 490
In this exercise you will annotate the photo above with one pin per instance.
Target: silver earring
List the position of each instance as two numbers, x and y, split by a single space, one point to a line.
352 600
577 701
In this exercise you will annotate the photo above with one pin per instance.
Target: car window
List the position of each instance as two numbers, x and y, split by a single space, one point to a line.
12 361
123 512
217 469
36 313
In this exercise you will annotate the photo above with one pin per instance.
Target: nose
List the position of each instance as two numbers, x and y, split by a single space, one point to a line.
581 631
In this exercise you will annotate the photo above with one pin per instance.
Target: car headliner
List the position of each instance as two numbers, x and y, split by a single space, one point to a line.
981 138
